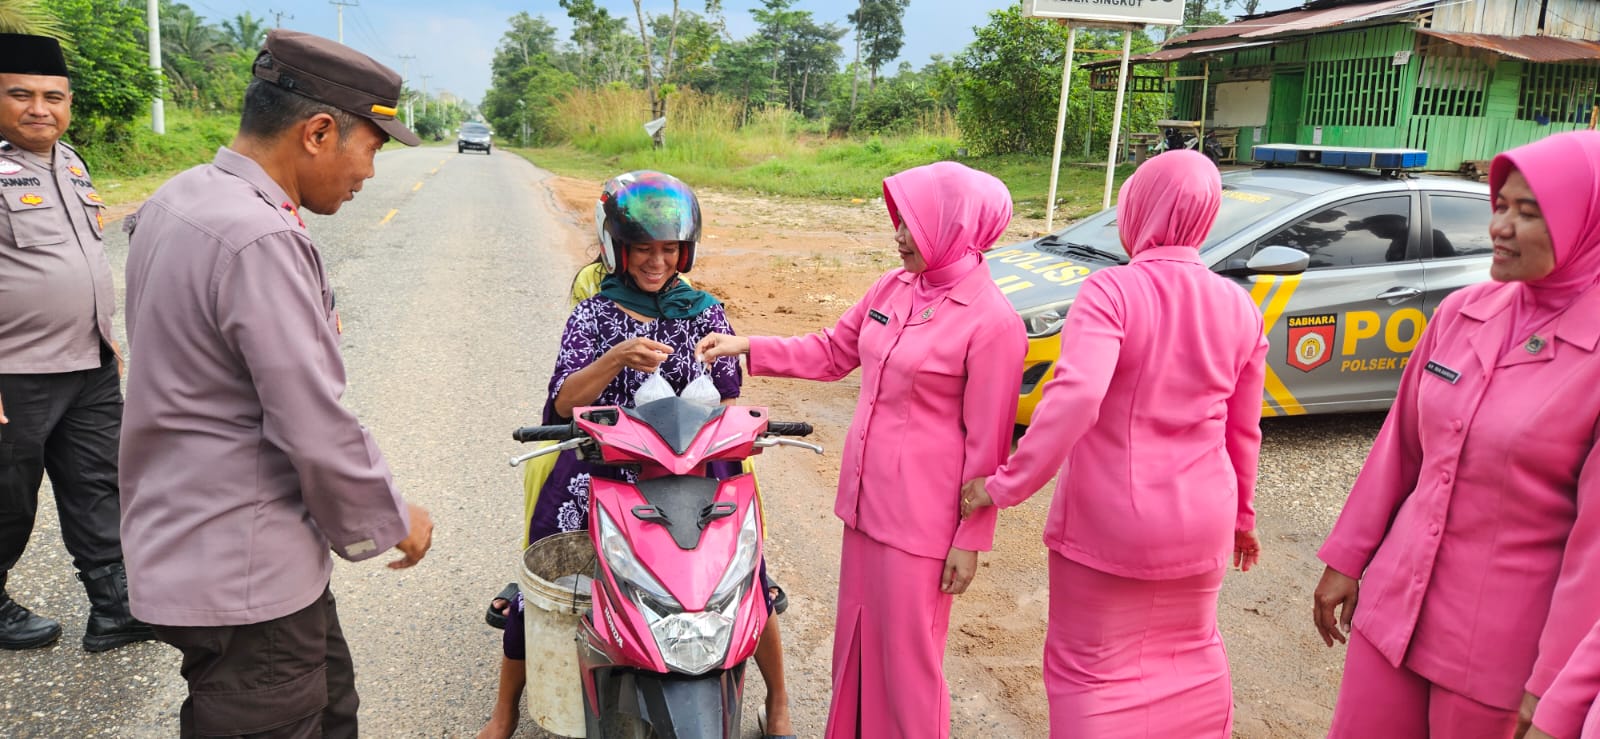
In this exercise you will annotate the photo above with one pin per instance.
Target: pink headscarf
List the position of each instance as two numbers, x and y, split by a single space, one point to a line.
1171 200
954 213
1564 173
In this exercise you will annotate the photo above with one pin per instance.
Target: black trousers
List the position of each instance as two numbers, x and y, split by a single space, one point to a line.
66 424
288 678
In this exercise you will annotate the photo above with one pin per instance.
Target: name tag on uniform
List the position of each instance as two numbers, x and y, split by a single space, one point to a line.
1442 371
879 317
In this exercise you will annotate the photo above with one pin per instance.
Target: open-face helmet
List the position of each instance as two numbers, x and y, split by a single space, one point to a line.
644 205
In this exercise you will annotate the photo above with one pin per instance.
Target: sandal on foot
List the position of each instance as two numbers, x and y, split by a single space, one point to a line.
761 725
495 616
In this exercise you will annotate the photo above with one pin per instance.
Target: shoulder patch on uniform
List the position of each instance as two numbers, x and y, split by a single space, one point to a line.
9 167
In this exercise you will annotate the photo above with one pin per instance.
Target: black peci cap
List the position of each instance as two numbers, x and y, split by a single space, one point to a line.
24 54
334 74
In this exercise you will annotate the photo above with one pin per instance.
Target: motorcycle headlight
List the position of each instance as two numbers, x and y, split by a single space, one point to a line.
744 559
1045 320
619 557
690 643
696 642
693 643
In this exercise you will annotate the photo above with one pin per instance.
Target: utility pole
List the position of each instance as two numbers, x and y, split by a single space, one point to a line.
342 4
278 17
405 74
424 93
158 117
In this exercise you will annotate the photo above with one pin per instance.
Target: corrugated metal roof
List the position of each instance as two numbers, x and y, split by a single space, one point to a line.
1300 21
1173 54
1527 48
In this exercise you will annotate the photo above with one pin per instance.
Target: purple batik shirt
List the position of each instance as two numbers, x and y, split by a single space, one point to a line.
597 324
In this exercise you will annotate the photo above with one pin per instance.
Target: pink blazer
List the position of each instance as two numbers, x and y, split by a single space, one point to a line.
1571 698
1155 409
938 402
1475 524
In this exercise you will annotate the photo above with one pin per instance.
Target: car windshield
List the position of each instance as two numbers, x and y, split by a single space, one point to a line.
474 128
1240 209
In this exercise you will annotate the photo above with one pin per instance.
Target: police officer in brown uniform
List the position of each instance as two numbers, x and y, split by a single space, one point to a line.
60 397
241 469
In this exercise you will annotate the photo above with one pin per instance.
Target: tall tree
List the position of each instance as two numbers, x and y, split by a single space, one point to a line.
658 101
111 75
1011 80
607 53
878 28
245 32
527 75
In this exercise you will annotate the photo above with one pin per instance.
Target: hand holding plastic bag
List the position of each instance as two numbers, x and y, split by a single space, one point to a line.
701 391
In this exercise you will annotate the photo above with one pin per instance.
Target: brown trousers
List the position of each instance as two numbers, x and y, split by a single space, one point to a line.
288 678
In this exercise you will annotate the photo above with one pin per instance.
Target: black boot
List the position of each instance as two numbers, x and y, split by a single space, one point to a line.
20 628
111 624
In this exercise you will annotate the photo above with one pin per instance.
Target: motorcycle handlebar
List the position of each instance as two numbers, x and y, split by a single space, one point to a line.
562 432
788 428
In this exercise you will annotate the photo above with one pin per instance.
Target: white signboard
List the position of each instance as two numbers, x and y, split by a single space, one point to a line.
1157 12
1241 104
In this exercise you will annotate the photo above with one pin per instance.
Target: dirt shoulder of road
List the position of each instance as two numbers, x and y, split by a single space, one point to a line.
787 266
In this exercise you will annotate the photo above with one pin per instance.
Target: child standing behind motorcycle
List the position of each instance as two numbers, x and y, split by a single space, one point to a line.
941 353
644 320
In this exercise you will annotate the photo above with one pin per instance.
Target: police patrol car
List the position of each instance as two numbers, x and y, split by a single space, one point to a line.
1346 254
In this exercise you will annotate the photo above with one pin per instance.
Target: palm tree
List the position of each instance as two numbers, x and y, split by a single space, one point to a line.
188 47
245 32
32 17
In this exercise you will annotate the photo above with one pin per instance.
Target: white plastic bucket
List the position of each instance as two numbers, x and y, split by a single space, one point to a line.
551 619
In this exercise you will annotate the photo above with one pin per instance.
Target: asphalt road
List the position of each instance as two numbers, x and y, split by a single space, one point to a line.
452 294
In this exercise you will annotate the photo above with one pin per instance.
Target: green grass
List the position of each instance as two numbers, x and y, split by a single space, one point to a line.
841 169
129 171
778 152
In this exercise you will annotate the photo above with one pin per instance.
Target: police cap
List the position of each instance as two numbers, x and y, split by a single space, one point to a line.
334 74
24 54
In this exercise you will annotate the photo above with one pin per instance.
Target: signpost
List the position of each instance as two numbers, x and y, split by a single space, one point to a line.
1125 15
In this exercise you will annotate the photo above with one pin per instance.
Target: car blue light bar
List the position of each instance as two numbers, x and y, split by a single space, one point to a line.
1350 157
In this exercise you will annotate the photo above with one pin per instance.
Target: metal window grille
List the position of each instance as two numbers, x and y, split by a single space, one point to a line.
1352 92
1451 86
1562 93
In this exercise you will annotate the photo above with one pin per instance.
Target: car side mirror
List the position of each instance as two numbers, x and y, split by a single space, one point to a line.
1278 260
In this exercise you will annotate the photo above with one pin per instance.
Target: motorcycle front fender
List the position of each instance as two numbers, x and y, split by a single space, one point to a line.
676 706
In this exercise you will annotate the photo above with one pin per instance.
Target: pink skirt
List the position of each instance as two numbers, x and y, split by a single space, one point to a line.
888 645
1135 658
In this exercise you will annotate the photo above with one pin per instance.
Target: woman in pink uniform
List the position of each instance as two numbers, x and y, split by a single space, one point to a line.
1472 535
1153 422
940 352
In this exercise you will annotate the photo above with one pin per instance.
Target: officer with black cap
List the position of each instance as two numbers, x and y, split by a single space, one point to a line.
241 469
60 397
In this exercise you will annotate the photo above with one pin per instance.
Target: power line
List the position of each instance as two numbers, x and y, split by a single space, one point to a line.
365 25
342 4
278 16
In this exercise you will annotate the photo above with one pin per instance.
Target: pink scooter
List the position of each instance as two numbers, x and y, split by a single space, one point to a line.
677 600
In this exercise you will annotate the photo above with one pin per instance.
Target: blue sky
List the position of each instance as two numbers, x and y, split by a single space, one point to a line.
453 42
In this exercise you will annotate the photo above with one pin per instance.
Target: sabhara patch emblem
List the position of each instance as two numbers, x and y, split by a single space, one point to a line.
30 199
1311 340
9 167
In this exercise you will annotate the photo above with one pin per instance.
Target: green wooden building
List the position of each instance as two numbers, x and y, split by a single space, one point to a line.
1462 80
